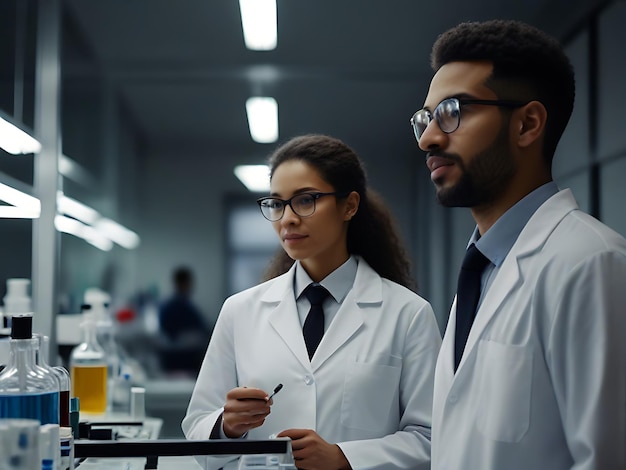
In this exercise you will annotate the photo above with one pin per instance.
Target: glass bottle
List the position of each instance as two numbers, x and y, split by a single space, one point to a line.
88 370
27 390
62 375
97 302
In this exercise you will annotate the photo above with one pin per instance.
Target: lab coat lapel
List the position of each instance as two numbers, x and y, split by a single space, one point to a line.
445 361
506 281
510 276
283 317
367 289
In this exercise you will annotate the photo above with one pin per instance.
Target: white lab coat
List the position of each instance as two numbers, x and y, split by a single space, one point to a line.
368 387
542 381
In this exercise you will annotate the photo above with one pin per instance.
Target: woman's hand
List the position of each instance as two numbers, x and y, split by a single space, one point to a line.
245 409
311 452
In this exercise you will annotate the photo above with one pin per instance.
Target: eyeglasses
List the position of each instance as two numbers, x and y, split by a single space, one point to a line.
448 114
302 204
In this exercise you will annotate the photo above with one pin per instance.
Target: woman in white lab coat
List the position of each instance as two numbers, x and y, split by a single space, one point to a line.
364 398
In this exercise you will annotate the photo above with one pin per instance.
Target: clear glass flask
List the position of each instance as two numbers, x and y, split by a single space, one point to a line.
27 390
96 301
88 370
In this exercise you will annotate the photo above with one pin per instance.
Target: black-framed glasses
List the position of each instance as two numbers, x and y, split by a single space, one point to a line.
448 114
302 204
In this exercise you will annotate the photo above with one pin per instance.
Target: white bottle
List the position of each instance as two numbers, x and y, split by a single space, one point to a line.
17 299
67 449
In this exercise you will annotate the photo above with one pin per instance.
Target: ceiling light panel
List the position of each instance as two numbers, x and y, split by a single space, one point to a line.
254 177
14 140
258 20
263 119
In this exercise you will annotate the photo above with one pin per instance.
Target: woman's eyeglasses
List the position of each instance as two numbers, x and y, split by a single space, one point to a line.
448 114
302 204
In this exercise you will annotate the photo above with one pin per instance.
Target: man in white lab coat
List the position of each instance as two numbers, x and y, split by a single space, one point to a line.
540 380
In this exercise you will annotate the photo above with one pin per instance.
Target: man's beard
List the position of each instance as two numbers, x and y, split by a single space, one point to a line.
484 178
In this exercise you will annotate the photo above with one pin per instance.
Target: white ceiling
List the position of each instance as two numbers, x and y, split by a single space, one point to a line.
356 69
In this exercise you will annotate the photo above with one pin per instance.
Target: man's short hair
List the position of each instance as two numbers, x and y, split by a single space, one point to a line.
182 276
528 64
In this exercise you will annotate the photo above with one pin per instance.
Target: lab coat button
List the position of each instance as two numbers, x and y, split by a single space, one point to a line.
453 398
308 379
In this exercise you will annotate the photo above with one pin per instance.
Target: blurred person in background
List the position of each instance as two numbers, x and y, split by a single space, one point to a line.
183 324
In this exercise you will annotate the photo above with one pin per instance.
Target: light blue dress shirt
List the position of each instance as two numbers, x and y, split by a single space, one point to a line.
338 283
500 238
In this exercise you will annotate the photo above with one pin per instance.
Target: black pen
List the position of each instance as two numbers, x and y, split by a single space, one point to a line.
276 390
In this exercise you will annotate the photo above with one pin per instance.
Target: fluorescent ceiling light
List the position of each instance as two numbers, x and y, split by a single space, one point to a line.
14 140
72 170
263 119
12 212
82 221
254 177
258 19
118 233
89 234
22 205
78 210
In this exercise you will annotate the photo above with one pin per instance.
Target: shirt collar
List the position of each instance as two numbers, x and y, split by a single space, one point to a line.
496 243
338 283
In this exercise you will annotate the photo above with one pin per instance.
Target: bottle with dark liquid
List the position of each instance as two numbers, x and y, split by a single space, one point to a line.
62 376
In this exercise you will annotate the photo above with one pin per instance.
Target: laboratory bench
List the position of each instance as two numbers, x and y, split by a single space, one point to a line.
133 454
117 441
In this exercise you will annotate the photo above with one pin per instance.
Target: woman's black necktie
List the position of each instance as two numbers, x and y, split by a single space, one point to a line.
313 328
467 295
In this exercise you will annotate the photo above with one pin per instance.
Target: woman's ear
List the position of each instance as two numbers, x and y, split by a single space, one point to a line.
530 123
352 205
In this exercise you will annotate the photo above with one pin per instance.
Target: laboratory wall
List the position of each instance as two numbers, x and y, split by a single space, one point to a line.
611 152
100 137
17 94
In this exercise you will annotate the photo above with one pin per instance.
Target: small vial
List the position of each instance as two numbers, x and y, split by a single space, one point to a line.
138 403
67 449
74 416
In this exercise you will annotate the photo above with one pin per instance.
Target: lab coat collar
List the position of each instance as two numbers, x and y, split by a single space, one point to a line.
367 290
531 239
284 318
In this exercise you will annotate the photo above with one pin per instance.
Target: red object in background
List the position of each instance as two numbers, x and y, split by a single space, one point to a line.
125 314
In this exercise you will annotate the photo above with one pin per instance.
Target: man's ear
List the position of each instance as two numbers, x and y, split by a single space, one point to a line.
352 205
530 123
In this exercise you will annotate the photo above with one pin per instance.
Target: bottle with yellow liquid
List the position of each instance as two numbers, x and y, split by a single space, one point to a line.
89 369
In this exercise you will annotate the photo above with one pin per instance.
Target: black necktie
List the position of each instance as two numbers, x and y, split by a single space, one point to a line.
313 328
467 295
